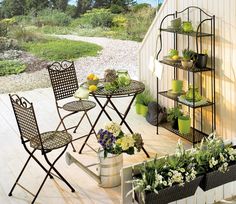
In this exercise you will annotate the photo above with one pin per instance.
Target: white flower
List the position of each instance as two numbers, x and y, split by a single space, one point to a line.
169 173
113 127
177 177
222 158
164 183
182 170
231 157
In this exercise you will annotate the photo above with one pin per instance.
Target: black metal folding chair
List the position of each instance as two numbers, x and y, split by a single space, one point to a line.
33 140
64 84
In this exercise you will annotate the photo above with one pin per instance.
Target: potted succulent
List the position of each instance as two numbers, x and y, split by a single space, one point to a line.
173 54
172 116
184 123
201 61
187 60
176 23
187 26
217 161
141 102
168 179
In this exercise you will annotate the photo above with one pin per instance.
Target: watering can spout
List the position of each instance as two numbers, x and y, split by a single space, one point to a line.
70 159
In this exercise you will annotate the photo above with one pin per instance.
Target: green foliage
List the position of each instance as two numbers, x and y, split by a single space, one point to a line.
116 9
71 11
12 8
188 54
5 25
22 34
8 67
60 4
119 21
83 6
144 98
174 113
7 44
52 18
139 7
139 22
98 18
55 49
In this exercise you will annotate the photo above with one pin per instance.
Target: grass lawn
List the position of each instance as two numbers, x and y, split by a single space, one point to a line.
56 49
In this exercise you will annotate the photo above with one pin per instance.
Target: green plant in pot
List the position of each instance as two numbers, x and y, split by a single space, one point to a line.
187 60
184 123
172 116
141 102
202 59
187 26
177 86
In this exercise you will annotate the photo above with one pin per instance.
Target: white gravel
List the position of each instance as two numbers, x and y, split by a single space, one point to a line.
116 54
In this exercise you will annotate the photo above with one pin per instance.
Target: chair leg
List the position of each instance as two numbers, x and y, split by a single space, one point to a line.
10 193
57 172
79 122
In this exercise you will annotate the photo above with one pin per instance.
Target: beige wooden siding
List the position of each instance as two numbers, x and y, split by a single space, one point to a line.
225 12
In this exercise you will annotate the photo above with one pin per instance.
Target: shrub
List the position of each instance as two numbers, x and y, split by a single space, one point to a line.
139 22
7 44
56 49
116 9
8 67
52 18
119 21
98 17
144 98
22 34
5 25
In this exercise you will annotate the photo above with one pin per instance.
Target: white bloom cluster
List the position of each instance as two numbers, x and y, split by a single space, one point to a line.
176 177
113 127
213 162
190 175
223 167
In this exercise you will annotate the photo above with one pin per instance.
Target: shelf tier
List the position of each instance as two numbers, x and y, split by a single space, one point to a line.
175 98
198 134
193 34
178 65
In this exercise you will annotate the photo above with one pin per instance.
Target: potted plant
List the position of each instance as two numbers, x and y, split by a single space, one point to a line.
187 60
168 179
217 161
172 116
114 142
184 123
141 102
187 26
202 59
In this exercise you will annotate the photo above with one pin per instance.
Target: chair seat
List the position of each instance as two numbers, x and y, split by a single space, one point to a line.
52 140
81 105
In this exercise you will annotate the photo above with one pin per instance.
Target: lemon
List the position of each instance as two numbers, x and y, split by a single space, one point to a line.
93 88
90 76
95 77
175 57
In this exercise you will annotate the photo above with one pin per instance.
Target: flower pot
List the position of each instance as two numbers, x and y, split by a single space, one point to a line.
187 26
176 23
201 60
141 109
187 64
170 194
109 169
177 86
184 124
217 178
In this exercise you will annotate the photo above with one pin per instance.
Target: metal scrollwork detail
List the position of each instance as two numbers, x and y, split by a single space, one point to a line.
60 66
21 101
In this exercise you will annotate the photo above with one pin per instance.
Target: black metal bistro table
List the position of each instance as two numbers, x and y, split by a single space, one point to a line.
132 90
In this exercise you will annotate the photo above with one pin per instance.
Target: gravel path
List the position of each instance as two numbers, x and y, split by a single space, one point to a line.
116 54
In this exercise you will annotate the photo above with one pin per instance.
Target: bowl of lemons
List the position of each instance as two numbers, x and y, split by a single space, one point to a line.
92 79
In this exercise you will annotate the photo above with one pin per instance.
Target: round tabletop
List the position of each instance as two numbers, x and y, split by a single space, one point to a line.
135 87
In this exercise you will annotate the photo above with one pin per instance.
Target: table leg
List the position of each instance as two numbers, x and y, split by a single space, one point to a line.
95 123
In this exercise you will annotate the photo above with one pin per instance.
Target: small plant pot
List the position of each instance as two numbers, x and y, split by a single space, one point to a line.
187 64
141 109
174 124
184 124
201 60
177 86
187 26
176 23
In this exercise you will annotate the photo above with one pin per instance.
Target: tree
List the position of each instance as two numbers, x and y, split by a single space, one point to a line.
59 4
35 6
108 3
83 6
13 7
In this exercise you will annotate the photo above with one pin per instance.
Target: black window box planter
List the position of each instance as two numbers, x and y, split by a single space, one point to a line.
217 178
170 194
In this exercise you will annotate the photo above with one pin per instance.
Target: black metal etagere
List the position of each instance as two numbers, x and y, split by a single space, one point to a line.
195 134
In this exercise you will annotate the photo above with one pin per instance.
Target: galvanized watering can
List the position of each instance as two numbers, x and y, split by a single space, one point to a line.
108 169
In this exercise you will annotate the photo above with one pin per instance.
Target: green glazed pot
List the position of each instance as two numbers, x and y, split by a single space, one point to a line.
187 26
141 109
177 86
184 124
